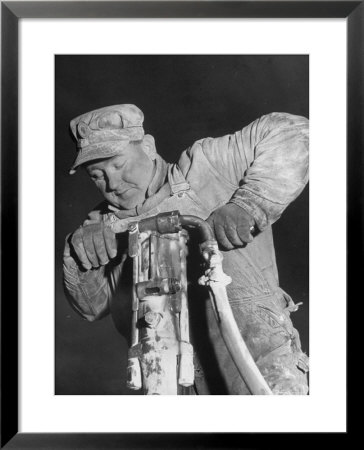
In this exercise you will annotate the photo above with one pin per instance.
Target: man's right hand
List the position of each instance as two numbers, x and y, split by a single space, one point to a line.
94 244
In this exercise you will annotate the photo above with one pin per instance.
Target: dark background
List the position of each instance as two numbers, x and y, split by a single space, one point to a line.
183 98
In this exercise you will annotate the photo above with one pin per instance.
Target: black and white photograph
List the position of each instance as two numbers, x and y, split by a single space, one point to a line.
181 211
181 224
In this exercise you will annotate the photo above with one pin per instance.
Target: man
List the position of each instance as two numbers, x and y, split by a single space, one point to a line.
241 183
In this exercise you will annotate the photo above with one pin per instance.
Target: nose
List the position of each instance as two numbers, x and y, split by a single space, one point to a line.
114 180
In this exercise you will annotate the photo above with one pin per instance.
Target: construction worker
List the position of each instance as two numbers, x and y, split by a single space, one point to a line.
240 183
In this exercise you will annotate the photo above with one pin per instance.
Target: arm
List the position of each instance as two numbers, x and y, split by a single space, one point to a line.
268 160
90 289
88 292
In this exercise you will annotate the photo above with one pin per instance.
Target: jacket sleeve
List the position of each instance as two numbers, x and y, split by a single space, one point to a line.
89 292
268 160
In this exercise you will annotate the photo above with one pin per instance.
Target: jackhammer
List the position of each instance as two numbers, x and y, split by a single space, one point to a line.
160 359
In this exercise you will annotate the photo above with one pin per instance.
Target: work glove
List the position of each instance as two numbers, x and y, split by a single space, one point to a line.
232 226
93 244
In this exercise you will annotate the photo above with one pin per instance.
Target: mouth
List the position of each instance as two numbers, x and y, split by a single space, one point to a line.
122 192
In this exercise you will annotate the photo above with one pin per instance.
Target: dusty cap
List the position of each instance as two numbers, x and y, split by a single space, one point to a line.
104 132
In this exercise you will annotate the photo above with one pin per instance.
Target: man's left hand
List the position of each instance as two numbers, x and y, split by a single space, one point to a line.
232 226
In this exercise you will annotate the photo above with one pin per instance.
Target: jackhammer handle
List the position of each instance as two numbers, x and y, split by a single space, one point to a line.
173 221
201 225
167 222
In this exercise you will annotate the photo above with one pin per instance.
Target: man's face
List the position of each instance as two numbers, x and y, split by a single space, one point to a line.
123 180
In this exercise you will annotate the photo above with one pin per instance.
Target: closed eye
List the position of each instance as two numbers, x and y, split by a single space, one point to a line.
119 165
97 177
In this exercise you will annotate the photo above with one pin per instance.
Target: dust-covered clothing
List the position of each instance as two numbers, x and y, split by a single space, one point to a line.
262 169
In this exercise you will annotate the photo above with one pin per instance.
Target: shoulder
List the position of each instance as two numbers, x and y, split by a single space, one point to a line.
282 118
207 163
193 162
279 121
201 152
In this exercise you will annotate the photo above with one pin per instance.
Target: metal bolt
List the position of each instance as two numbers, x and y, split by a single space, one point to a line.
132 227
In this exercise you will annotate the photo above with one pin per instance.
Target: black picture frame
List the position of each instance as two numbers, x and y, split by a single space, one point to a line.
11 12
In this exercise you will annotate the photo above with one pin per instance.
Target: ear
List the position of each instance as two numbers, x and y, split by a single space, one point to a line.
148 146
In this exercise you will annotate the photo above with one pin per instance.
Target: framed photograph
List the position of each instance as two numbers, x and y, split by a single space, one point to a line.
235 81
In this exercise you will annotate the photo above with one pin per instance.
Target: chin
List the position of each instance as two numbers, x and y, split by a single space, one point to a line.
126 205
131 203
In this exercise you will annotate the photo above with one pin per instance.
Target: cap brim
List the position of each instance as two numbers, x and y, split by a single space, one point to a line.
98 151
